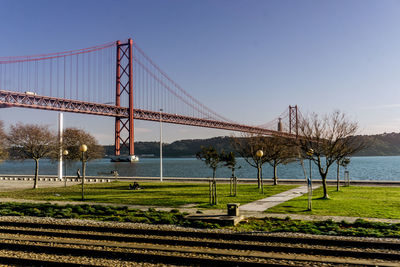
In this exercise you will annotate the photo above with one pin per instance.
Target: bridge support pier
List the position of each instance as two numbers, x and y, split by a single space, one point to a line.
124 129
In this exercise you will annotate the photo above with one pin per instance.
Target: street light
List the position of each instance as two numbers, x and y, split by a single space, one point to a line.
259 154
83 149
65 154
161 167
310 153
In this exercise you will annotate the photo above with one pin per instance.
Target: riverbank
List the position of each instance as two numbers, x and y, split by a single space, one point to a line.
10 182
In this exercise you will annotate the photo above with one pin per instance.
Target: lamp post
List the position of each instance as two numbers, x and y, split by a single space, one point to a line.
259 154
310 153
83 149
161 167
65 154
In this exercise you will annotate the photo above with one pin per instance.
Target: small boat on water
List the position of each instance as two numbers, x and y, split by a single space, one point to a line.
130 158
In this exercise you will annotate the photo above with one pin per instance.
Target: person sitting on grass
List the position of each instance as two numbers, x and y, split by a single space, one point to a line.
135 186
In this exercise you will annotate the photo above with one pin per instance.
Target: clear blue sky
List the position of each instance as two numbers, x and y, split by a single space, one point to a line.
248 60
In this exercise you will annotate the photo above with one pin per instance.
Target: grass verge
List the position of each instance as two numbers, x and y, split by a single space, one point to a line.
152 194
98 212
360 227
354 201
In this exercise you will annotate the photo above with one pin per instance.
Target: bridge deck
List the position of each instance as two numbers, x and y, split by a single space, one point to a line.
23 100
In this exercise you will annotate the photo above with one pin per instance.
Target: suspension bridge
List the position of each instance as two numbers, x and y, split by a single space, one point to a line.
116 79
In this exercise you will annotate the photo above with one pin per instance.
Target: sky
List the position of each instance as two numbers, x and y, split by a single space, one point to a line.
246 59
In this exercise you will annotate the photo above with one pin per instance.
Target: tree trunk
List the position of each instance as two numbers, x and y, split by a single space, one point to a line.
234 186
323 176
83 176
275 174
35 182
210 191
232 181
215 193
215 201
338 176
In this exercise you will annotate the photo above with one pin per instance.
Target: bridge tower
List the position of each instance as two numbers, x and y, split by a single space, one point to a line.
279 124
293 120
124 130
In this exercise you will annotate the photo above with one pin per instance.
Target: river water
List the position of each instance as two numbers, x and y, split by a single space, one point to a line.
360 168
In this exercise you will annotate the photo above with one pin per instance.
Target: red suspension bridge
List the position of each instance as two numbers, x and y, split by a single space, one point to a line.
116 79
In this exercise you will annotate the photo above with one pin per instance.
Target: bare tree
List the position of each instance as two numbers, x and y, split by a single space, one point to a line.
212 159
331 139
342 162
32 141
3 142
247 146
231 163
73 138
278 150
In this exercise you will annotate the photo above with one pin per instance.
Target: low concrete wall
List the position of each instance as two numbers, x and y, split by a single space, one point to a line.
52 178
105 179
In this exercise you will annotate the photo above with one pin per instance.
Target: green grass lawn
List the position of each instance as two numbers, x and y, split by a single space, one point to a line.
355 201
153 194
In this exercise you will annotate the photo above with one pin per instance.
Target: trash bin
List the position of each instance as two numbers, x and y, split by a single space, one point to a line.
233 209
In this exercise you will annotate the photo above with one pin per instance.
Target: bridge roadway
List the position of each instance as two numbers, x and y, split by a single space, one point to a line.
23 100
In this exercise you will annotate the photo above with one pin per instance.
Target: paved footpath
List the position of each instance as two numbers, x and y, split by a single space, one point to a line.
269 202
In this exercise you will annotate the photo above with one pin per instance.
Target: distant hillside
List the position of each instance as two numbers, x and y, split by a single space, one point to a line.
387 144
182 148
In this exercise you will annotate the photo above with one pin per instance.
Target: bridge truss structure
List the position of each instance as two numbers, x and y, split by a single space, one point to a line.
117 80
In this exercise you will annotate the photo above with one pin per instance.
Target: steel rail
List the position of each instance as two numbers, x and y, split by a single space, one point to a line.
250 236
34 262
215 243
35 238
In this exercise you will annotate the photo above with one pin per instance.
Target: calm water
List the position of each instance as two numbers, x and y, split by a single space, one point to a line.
360 168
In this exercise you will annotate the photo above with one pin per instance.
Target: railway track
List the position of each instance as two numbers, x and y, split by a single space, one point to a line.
44 244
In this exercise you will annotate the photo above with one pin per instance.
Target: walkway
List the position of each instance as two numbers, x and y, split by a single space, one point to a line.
269 202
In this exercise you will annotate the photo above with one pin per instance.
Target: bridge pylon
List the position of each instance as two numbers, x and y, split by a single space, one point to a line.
124 129
293 120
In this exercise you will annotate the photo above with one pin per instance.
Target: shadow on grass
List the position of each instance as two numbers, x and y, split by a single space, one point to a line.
322 198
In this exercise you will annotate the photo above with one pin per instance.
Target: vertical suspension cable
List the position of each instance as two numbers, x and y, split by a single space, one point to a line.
43 80
28 87
58 78
100 63
149 90
12 72
77 76
142 91
70 76
51 77
64 76
95 80
36 77
89 76
135 100
146 90
82 78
